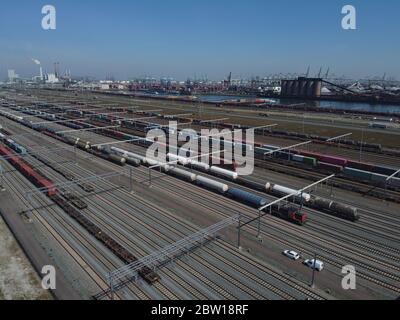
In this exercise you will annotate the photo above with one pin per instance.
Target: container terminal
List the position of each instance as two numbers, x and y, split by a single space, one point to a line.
79 191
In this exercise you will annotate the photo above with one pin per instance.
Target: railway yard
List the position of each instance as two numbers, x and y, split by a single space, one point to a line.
79 187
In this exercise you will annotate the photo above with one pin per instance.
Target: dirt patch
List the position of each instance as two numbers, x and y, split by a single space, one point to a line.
18 279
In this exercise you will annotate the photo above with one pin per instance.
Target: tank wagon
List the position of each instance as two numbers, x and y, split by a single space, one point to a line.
337 209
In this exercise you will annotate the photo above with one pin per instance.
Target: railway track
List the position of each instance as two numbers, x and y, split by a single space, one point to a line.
182 195
18 192
354 153
82 239
204 262
363 189
318 239
367 224
360 187
385 230
53 176
117 234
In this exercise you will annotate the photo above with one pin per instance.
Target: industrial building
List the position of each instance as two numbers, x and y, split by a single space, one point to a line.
301 88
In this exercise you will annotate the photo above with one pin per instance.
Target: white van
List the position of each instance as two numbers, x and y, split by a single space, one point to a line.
314 264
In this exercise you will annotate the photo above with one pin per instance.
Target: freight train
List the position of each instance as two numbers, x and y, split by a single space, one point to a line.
349 169
289 213
145 126
324 163
26 170
221 172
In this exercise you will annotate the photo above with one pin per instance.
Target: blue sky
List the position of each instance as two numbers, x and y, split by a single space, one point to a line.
181 38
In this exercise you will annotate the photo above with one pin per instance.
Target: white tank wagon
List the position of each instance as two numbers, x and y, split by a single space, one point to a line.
152 162
199 165
166 167
157 165
281 190
212 184
194 162
182 160
129 155
224 173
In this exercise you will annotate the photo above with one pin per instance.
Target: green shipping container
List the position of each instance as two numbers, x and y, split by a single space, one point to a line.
310 161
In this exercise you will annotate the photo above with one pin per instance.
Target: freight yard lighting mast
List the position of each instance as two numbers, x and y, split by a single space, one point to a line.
1 179
362 142
86 129
167 254
338 138
287 148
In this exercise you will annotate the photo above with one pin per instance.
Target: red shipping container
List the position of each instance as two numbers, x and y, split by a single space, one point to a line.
334 160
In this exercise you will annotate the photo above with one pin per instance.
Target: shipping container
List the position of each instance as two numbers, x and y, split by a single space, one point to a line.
384 170
358 174
378 178
333 160
297 158
360 165
310 161
395 182
330 167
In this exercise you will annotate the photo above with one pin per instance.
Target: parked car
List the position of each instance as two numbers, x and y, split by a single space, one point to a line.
314 264
291 254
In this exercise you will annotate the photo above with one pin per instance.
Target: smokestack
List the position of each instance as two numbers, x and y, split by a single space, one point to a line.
37 62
